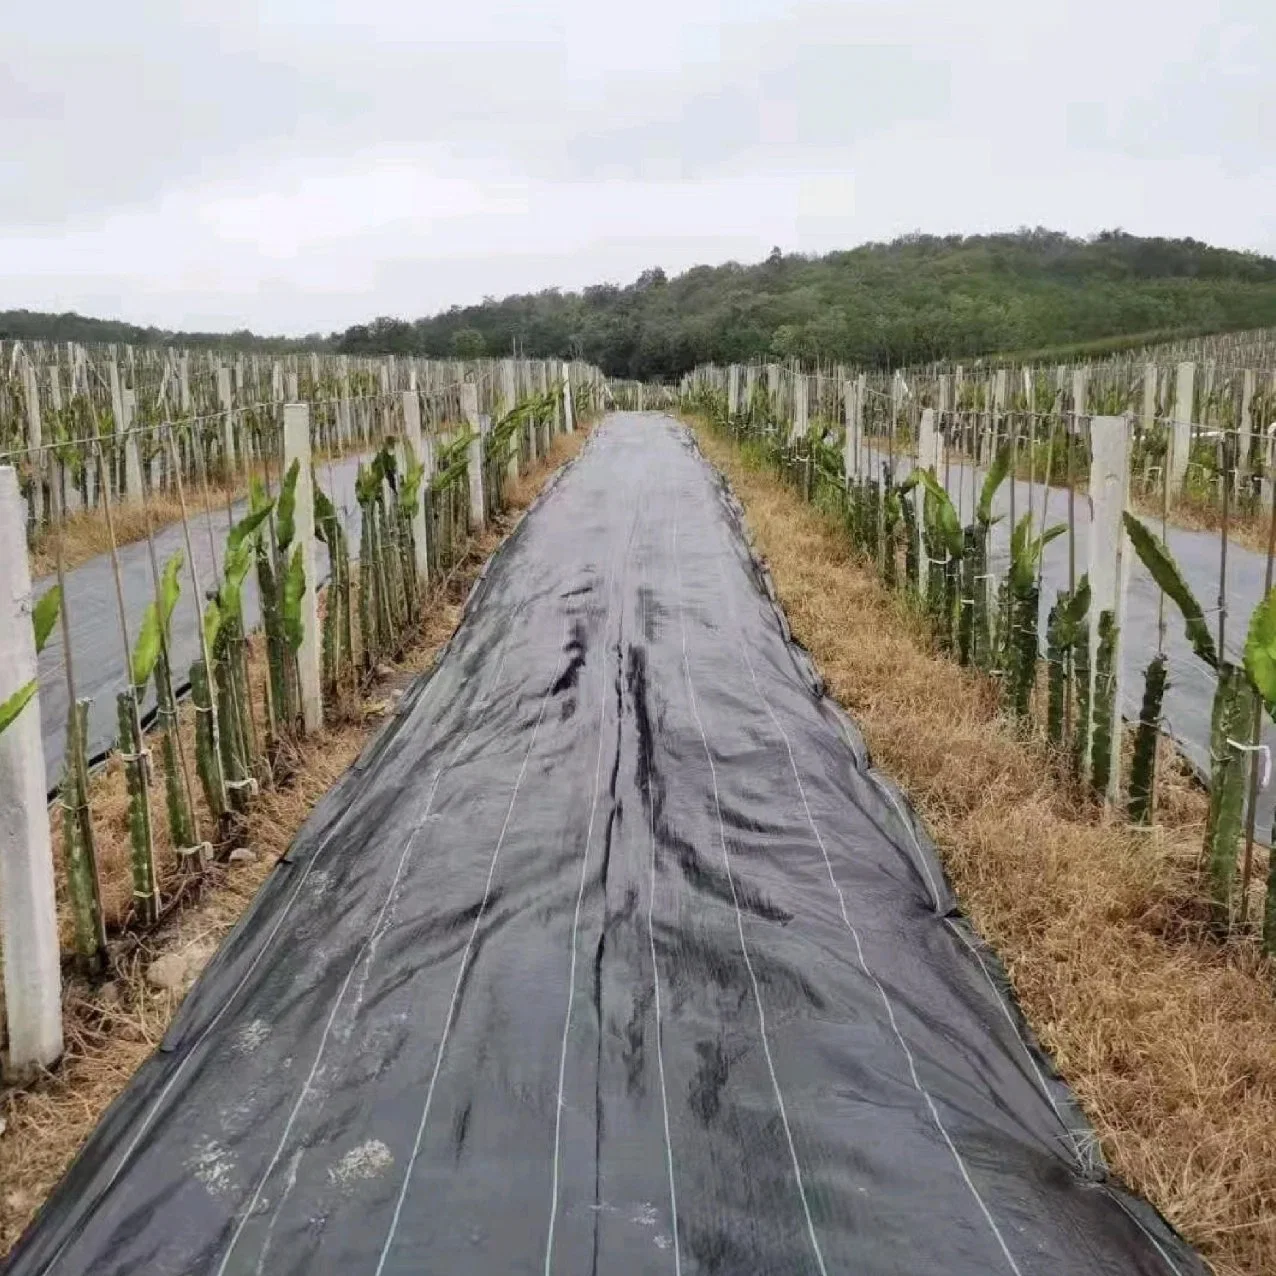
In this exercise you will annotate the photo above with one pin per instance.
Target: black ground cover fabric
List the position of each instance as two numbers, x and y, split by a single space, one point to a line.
612 954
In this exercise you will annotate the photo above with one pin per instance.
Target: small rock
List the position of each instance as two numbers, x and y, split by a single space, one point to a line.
109 994
4 1125
168 973
243 855
384 671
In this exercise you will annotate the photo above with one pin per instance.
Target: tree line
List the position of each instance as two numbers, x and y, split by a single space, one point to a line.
915 299
912 300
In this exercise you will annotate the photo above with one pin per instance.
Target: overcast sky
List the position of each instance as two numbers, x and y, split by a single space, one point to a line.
301 165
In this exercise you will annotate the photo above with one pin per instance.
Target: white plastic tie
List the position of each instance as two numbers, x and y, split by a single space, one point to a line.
1267 759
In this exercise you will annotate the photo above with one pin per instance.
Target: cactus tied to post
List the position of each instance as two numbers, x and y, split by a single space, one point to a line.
1020 611
151 659
271 553
78 848
1064 629
1260 666
337 650
1231 721
224 640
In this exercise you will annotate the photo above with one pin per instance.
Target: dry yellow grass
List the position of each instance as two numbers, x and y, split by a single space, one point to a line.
1198 514
85 534
111 1028
1168 1039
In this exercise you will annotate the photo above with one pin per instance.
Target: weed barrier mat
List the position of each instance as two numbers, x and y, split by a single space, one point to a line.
612 952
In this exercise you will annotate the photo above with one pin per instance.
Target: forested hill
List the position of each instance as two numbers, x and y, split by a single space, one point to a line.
37 325
917 298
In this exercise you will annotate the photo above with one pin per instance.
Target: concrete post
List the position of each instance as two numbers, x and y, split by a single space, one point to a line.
508 393
1245 436
529 380
928 442
28 913
474 455
225 401
412 438
801 391
117 407
733 392
854 452
291 389
1109 557
927 458
35 440
132 452
1181 429
297 448
1150 372
569 417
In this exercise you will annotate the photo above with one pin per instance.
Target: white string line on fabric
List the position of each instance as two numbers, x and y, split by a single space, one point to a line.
366 950
655 977
145 1123
602 648
460 978
1006 1011
660 1032
735 899
999 998
859 948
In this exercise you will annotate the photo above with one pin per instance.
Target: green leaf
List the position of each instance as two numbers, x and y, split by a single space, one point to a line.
15 704
995 477
1026 549
294 588
410 490
257 498
943 514
1072 612
239 560
212 623
44 616
285 515
324 509
1260 650
1165 571
147 648
170 588
247 526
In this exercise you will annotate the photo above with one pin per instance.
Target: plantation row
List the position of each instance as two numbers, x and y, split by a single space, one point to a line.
88 425
433 470
920 492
